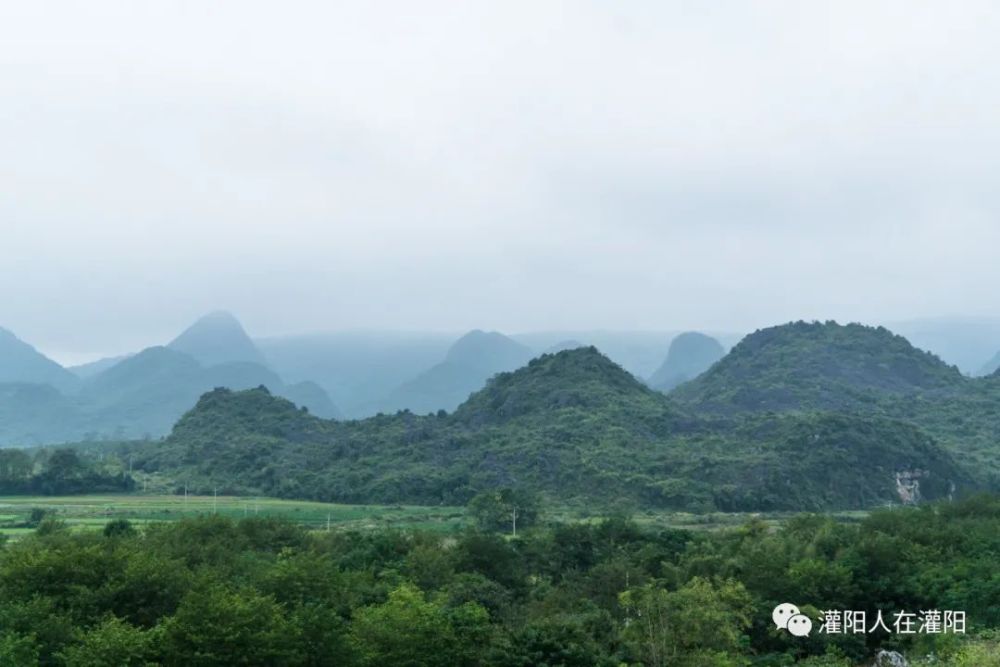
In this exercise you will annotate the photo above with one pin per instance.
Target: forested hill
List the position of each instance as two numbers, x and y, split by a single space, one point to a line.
817 366
857 370
572 426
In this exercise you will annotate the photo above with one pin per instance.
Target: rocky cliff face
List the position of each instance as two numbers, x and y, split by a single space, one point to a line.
908 485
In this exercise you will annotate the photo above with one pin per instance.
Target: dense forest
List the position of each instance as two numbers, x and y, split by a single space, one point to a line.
577 428
212 591
57 472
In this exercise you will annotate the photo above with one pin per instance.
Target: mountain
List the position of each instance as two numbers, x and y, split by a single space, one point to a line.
564 345
136 395
991 366
356 368
92 368
313 397
573 426
962 341
469 363
217 338
148 392
36 414
142 395
690 355
817 366
638 352
20 362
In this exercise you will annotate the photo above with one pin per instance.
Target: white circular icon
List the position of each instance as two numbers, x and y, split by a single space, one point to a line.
782 613
800 625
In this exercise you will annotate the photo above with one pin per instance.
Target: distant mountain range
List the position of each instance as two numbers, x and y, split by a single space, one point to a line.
139 395
469 363
370 372
966 342
805 415
20 362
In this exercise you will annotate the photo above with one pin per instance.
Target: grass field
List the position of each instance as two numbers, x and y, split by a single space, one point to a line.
94 511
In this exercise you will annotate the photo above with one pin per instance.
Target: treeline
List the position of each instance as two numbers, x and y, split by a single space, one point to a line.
57 472
212 591
572 427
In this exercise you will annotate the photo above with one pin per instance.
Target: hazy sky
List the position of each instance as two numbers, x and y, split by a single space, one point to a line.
508 165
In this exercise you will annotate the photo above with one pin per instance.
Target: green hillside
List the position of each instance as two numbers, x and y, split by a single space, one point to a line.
817 366
803 367
572 426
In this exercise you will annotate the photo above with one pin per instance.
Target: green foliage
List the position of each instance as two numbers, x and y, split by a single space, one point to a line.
18 650
505 510
213 591
409 631
112 642
698 624
219 625
817 366
572 426
63 471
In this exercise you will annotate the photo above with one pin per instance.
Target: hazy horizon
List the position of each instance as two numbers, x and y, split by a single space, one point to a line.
515 166
74 357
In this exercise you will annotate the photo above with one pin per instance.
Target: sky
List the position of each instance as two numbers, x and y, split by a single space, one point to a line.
506 165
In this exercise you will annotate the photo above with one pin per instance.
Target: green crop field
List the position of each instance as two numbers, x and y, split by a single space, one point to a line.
94 511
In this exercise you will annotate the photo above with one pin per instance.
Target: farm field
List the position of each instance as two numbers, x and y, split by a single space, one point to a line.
91 512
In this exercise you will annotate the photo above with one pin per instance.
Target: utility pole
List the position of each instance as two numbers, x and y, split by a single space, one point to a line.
514 521
328 522
215 500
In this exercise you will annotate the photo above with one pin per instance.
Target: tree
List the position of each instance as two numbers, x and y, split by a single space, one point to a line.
505 509
698 624
217 625
17 650
113 642
409 631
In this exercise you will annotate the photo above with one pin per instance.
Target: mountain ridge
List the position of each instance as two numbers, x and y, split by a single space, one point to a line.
21 362
572 425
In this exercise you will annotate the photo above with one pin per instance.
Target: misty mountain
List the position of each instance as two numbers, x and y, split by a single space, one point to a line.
469 363
965 342
564 345
22 363
690 355
92 368
142 394
573 426
149 391
991 366
356 369
638 352
217 338
33 414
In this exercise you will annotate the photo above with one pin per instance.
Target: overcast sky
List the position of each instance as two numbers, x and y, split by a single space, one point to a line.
506 165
